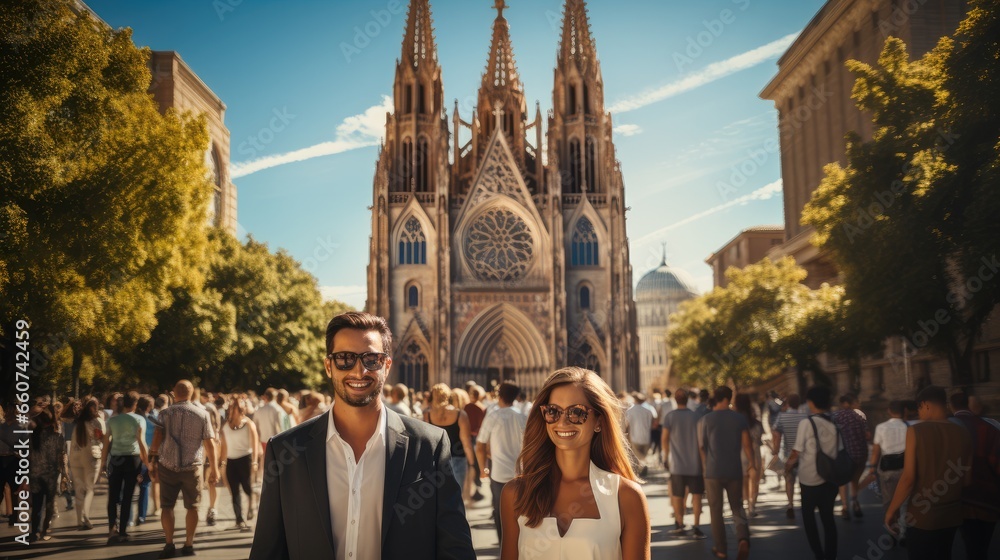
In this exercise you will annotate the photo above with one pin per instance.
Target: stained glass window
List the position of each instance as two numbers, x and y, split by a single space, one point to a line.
498 246
584 247
412 243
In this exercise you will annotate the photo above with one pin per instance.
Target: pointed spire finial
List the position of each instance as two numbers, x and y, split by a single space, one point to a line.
500 6
664 261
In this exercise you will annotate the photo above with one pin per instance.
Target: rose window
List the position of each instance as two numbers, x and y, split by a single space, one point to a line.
498 246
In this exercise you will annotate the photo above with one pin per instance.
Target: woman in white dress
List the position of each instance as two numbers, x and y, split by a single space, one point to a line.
576 496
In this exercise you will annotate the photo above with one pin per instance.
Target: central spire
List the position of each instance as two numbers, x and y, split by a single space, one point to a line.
418 41
501 71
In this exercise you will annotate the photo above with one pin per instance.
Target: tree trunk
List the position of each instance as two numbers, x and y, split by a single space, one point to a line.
75 371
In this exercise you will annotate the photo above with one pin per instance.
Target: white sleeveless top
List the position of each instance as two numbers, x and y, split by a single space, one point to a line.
237 441
585 539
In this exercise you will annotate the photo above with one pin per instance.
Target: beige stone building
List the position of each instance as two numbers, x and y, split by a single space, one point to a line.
659 294
489 260
749 246
811 92
175 85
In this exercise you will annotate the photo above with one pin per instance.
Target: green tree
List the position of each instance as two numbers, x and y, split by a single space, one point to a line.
764 321
911 221
102 198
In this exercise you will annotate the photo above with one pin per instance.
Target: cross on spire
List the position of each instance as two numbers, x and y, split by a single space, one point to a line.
664 261
500 5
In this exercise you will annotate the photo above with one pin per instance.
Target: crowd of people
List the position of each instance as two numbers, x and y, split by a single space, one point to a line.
564 468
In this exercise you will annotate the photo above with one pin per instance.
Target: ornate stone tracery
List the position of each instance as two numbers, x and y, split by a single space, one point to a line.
499 246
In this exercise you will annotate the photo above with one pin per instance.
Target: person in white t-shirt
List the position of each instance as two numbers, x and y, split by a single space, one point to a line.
640 422
500 439
817 494
887 453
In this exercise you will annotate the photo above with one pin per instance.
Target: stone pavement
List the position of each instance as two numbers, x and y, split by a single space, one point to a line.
772 536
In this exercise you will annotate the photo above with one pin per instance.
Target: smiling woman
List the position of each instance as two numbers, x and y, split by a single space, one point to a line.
576 494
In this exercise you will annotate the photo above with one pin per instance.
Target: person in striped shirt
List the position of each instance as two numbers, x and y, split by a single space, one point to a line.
783 438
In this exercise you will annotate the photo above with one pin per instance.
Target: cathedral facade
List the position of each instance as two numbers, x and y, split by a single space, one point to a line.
490 261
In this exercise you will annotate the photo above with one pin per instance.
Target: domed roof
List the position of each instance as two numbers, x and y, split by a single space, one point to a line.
665 281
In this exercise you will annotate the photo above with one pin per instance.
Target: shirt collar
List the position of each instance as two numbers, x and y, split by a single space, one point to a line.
380 430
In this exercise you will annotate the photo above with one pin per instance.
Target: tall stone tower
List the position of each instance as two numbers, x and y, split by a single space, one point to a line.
494 264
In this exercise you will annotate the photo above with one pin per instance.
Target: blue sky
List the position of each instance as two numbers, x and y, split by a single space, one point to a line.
681 78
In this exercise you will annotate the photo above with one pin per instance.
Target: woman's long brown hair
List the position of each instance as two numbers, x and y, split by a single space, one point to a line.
538 475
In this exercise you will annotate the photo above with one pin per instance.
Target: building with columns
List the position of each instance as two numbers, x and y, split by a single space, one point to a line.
490 261
812 93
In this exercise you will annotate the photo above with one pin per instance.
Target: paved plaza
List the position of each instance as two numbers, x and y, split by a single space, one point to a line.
773 536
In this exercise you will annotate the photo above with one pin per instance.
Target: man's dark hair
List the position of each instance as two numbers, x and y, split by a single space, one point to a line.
959 401
129 400
703 395
359 321
508 392
896 407
793 400
723 393
160 401
667 393
681 396
933 394
910 406
819 396
144 404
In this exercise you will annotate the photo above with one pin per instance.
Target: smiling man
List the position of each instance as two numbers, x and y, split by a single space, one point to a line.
360 481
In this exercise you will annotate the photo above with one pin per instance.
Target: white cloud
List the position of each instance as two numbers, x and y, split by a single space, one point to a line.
351 295
357 131
766 192
628 129
710 73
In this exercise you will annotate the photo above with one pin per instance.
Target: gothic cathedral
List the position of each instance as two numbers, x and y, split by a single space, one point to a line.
490 261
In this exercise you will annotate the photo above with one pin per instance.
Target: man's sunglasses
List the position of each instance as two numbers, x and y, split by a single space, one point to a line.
575 414
372 361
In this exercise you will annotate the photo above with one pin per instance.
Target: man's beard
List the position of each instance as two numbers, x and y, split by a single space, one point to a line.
340 390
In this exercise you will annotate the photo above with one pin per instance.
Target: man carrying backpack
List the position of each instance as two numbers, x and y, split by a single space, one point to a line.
816 433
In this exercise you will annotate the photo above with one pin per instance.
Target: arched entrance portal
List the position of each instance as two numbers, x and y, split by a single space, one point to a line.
500 344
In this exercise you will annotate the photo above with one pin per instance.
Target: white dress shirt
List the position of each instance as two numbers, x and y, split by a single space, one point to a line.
357 520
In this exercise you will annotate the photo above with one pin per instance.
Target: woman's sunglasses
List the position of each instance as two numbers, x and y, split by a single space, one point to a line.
372 361
575 414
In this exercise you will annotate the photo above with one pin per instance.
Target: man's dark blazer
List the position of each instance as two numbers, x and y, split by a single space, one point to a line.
423 516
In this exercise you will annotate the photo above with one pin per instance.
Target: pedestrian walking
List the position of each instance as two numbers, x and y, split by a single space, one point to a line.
499 445
455 422
184 442
476 412
640 419
751 484
981 498
125 444
723 437
936 463
817 434
853 426
48 463
889 445
783 435
240 458
85 458
363 481
576 496
143 408
680 443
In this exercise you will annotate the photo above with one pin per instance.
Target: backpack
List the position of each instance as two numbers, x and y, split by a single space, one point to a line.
835 470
